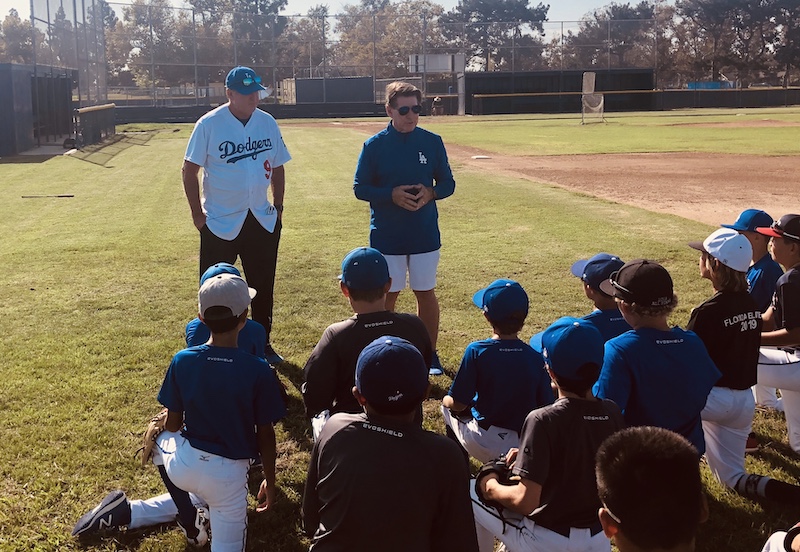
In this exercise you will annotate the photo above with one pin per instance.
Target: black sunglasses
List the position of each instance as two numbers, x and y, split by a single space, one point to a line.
405 109
779 229
625 291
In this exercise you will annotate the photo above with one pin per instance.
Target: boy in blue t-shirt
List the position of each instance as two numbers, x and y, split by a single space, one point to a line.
605 316
500 380
659 376
224 402
252 338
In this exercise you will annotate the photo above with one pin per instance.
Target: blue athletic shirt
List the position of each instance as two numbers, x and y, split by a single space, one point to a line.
389 159
761 279
660 379
223 393
252 338
609 322
502 380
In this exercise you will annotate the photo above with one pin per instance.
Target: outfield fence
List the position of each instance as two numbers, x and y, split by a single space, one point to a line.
165 55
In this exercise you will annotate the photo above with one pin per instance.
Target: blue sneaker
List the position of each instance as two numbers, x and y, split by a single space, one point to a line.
112 513
436 366
271 356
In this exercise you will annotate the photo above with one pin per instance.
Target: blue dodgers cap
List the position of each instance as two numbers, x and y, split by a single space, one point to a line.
502 300
568 344
598 268
749 220
217 269
392 375
364 268
238 76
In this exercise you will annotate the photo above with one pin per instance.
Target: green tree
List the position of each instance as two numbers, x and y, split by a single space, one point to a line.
487 29
616 36
708 33
304 46
17 39
787 38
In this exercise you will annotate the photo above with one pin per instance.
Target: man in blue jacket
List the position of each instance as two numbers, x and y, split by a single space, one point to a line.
402 171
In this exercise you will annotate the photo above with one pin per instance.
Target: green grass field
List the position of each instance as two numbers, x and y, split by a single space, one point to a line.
99 286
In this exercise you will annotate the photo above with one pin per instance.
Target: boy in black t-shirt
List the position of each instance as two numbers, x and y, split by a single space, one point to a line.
554 504
779 362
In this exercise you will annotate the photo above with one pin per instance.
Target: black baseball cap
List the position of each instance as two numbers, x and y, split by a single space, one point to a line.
642 282
787 227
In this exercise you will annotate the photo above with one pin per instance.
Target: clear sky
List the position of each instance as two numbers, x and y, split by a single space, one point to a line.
560 10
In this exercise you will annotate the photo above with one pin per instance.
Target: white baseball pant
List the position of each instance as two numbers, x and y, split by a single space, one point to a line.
157 510
781 368
482 444
521 534
220 481
775 542
727 419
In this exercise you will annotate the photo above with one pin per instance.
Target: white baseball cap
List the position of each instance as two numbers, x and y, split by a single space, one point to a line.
224 290
729 247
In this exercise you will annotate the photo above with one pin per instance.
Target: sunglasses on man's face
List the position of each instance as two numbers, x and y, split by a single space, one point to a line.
247 81
405 109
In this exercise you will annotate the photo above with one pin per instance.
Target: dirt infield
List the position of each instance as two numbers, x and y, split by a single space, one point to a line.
710 188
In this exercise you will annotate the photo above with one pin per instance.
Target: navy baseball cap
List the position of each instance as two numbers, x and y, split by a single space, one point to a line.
787 227
598 268
640 281
243 80
749 220
392 375
219 268
569 343
364 268
502 300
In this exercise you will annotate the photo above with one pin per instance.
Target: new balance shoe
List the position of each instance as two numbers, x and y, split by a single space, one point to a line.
196 535
436 366
112 513
271 356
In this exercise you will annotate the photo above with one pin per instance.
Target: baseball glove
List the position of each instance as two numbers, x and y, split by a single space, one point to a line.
498 467
154 429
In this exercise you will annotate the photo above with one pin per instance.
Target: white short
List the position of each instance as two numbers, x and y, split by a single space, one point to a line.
521 534
482 444
420 268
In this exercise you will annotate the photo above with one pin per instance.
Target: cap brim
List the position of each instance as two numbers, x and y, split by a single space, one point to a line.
697 245
578 267
477 298
607 288
536 342
767 231
253 88
734 227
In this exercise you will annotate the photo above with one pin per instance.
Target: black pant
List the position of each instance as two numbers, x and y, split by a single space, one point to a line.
258 250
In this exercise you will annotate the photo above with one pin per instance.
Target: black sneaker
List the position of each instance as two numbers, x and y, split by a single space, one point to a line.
198 534
752 443
271 356
112 513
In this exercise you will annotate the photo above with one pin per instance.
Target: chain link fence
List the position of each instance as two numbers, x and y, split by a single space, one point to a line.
160 55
